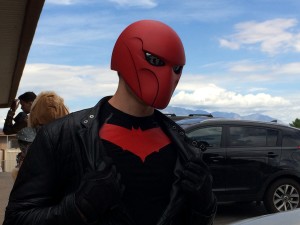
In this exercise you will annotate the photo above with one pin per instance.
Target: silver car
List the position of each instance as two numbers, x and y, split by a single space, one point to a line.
291 217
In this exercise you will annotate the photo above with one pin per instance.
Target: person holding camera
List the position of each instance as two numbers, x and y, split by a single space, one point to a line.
13 123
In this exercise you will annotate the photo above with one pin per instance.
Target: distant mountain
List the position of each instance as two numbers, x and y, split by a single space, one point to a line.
183 112
230 115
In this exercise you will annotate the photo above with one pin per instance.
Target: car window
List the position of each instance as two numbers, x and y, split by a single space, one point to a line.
291 140
211 135
272 137
252 136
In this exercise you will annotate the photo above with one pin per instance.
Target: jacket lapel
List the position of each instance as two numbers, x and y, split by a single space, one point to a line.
92 150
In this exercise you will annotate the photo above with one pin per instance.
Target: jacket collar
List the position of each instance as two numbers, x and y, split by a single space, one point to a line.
93 113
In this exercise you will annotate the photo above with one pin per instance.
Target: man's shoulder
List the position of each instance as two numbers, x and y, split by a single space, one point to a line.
72 119
20 117
77 118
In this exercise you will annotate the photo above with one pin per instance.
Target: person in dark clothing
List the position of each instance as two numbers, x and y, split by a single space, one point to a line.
25 137
14 124
121 162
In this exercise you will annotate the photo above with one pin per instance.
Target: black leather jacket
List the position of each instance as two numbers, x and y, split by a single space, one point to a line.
61 154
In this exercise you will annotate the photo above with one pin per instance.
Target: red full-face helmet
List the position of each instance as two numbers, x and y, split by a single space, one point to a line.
149 56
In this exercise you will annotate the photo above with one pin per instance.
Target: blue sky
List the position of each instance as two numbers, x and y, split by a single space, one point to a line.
243 56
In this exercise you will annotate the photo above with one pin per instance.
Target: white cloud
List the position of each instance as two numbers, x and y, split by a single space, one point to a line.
138 3
272 36
197 92
66 2
257 89
246 67
77 30
80 86
264 71
229 44
297 43
60 2
290 68
212 96
70 81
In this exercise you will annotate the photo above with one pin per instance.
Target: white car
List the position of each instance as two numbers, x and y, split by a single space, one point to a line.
291 217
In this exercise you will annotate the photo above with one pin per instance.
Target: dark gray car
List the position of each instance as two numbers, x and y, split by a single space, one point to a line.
251 160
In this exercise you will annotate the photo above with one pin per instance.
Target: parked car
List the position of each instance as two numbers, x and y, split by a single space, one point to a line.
175 117
251 160
290 217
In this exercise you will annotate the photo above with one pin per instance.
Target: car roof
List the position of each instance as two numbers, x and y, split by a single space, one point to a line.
175 117
290 217
191 123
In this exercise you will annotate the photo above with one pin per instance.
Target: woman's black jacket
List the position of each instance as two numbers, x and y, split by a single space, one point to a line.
61 154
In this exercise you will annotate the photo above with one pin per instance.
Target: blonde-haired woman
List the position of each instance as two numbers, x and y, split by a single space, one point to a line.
47 107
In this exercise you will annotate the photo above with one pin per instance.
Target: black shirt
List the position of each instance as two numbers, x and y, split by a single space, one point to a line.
144 157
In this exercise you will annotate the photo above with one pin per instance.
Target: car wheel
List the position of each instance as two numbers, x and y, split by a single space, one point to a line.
282 195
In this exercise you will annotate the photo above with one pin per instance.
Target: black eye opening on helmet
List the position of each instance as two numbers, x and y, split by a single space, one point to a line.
154 60
177 69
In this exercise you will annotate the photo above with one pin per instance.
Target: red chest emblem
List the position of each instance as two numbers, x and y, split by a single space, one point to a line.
139 142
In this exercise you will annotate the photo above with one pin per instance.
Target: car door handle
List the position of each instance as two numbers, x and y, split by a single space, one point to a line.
272 155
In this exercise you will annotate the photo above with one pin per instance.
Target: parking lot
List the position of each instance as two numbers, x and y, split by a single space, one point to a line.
227 213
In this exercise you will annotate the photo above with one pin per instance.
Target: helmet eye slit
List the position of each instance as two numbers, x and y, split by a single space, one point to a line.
154 60
177 69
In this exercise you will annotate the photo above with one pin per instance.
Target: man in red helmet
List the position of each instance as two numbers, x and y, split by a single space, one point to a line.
122 161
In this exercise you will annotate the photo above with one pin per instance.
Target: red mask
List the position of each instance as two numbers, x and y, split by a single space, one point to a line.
149 56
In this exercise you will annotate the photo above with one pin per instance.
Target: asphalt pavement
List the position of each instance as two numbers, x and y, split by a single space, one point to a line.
227 213
6 183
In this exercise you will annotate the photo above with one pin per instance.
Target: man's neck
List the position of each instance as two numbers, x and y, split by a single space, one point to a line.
131 107
130 104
